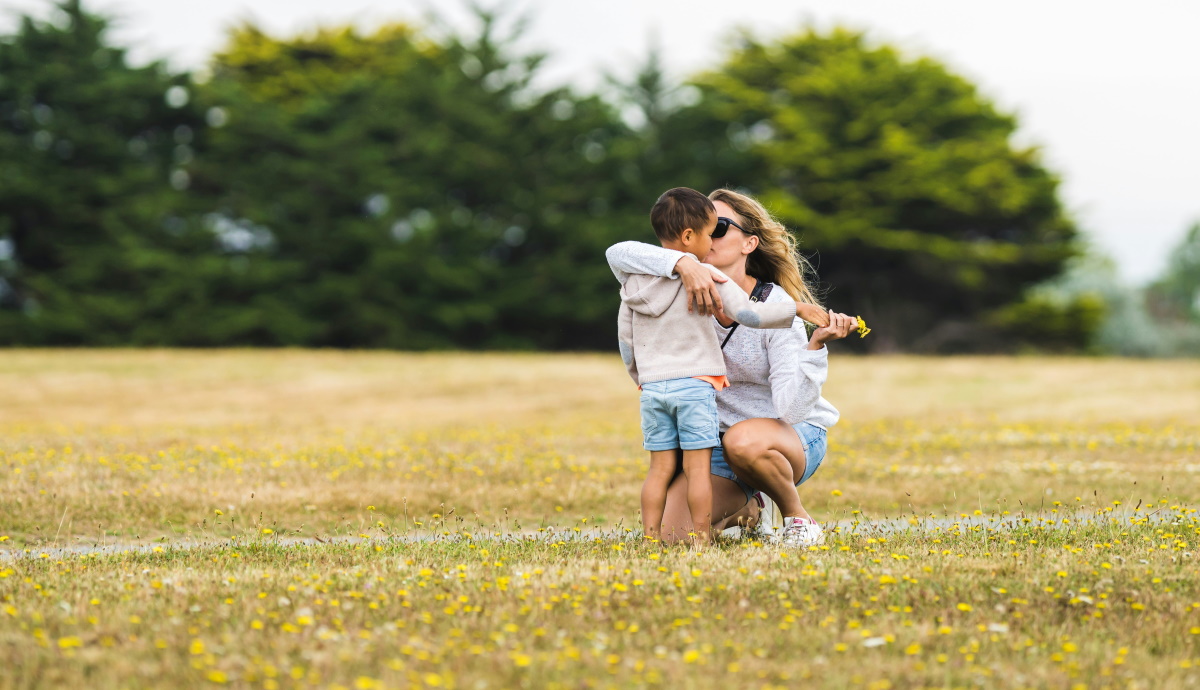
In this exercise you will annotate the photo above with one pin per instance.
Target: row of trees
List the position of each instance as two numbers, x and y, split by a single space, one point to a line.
1161 319
397 189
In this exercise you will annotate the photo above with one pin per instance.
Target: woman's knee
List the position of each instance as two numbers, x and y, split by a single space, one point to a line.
741 446
748 444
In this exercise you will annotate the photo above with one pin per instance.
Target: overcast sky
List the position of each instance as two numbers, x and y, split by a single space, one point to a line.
1109 90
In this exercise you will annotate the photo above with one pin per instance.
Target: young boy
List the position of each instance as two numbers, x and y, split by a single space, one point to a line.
675 358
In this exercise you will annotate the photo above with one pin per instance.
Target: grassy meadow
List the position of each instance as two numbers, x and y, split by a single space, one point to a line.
268 519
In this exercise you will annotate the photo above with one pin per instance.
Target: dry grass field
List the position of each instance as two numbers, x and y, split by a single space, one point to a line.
324 519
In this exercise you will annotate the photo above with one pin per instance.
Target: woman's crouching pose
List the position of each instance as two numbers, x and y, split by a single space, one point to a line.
772 417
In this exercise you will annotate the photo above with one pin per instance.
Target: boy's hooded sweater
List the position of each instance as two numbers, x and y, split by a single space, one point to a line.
660 339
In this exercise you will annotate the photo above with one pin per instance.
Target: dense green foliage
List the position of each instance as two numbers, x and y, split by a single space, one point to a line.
397 190
417 194
88 147
900 175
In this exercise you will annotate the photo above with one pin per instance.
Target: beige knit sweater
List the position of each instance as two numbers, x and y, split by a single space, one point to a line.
660 339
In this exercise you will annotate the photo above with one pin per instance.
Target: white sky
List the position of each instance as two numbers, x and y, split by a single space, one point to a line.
1109 90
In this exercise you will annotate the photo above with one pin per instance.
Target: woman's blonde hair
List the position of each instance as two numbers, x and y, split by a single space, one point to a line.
776 258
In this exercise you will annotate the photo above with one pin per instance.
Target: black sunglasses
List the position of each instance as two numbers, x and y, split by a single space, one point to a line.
723 227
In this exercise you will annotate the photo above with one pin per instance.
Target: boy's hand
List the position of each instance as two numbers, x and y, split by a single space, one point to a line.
701 286
812 314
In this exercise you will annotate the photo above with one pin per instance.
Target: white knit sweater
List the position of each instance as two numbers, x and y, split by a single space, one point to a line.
772 373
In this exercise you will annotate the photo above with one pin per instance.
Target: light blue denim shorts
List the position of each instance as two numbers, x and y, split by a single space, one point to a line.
815 445
679 413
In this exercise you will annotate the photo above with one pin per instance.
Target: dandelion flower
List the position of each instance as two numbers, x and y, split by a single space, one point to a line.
862 328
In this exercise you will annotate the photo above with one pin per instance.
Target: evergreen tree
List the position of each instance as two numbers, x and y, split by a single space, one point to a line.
417 194
95 157
390 189
896 173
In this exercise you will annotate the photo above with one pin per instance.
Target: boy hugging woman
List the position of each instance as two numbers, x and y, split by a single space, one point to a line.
675 358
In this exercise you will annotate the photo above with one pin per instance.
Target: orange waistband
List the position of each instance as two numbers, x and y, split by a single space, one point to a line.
718 382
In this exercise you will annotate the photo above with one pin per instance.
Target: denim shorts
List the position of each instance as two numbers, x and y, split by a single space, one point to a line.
815 445
679 413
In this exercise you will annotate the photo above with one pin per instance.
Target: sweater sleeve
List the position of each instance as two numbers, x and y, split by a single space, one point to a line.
797 373
625 340
625 258
739 307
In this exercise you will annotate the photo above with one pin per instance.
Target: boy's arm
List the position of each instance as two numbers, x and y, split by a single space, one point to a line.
625 340
625 258
770 314
754 314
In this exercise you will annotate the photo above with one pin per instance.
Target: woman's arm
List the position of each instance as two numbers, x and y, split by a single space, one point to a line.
797 373
799 366
836 327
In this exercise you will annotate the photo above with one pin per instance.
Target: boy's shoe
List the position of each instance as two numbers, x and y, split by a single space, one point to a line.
801 532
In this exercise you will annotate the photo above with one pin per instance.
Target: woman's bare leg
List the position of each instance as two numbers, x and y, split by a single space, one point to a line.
746 518
727 499
768 455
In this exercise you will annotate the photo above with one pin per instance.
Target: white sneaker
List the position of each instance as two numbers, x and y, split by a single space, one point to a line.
768 516
801 533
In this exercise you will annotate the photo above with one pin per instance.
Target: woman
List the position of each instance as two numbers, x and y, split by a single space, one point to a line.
773 418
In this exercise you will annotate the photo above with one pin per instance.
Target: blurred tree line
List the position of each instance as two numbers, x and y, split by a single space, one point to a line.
402 189
1161 319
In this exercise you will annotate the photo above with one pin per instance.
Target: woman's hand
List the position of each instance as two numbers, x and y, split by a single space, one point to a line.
840 326
701 286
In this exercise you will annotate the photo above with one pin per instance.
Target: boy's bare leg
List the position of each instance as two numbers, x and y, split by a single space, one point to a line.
696 467
654 490
728 499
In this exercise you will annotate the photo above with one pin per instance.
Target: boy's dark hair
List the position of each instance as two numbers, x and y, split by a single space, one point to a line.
677 209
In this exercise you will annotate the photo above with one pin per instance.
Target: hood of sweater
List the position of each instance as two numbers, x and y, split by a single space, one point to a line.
649 295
